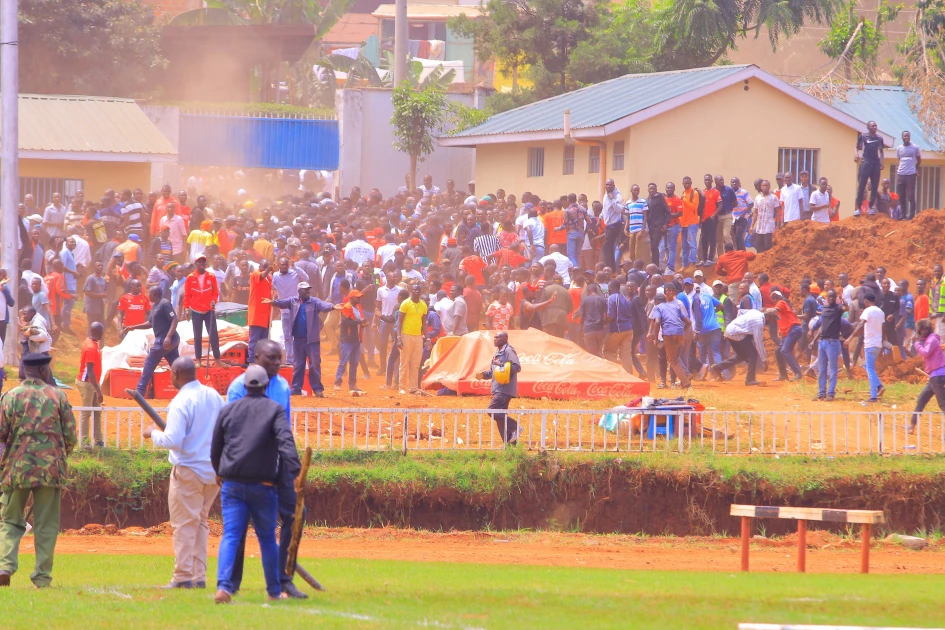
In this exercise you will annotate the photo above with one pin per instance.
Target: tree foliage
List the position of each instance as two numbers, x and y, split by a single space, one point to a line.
419 114
858 40
99 47
921 68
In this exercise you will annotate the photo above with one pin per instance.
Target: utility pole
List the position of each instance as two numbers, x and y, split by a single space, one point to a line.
400 41
9 156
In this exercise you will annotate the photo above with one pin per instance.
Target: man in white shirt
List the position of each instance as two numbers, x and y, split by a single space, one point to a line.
790 199
870 328
409 272
54 217
562 264
191 417
612 215
848 289
820 203
82 252
359 250
388 301
534 233
385 254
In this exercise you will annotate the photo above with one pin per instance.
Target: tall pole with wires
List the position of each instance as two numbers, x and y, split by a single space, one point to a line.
400 41
9 157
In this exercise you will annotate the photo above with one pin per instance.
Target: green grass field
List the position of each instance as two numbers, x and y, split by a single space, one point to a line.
116 592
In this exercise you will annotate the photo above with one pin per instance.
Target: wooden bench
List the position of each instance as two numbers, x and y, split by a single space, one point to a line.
864 517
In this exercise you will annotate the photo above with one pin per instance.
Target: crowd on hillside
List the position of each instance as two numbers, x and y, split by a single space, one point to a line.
381 277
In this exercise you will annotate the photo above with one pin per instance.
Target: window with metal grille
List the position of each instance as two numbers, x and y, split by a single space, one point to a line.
42 189
593 161
567 168
796 160
618 156
928 186
536 162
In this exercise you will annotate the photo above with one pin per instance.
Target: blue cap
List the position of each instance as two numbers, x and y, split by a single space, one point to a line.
687 281
135 238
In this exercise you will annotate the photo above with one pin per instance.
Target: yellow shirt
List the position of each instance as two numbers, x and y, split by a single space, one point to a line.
413 316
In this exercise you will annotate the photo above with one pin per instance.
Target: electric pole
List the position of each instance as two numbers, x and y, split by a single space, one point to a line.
9 156
400 41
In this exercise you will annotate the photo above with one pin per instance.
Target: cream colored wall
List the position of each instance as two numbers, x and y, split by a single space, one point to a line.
730 132
738 132
98 176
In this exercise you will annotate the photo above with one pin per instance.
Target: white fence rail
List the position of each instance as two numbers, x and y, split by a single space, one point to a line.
725 432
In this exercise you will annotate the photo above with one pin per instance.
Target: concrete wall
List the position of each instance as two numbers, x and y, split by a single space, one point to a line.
98 176
731 132
368 156
167 120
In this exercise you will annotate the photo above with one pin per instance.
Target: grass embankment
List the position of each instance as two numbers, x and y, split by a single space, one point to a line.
118 591
656 493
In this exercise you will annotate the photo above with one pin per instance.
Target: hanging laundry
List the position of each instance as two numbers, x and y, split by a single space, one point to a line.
437 49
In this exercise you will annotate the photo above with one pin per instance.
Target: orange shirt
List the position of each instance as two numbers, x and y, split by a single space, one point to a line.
135 308
834 202
690 207
921 307
473 265
712 199
786 317
551 221
576 293
675 205
56 291
259 314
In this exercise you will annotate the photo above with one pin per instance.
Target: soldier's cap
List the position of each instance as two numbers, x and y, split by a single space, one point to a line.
37 358
256 376
305 285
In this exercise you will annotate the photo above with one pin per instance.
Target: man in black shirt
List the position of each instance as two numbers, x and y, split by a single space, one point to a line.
163 321
828 348
656 217
891 311
869 155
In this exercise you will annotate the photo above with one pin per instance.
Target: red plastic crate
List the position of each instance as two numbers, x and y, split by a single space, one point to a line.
121 378
219 378
163 388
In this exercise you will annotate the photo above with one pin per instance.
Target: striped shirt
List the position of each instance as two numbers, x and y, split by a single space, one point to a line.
486 245
634 212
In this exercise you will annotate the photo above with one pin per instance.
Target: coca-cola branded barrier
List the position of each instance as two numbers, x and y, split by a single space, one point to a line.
551 368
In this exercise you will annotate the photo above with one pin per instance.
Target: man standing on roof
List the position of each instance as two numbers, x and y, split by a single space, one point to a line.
869 155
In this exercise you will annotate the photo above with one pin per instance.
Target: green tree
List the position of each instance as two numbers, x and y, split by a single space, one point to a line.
698 33
921 67
99 47
419 114
856 41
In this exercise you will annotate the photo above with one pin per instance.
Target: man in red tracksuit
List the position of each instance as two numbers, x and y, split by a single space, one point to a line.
200 299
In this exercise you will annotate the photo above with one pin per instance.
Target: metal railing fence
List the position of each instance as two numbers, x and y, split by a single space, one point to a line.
724 432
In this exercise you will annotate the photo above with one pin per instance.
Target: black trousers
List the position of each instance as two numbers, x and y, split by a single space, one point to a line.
707 240
655 240
611 235
935 387
871 171
905 188
210 319
744 351
739 231
506 425
762 242
287 516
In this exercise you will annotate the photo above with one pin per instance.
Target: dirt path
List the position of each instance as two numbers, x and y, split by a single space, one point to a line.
556 549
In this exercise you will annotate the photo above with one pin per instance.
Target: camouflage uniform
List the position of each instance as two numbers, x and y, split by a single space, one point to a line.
38 431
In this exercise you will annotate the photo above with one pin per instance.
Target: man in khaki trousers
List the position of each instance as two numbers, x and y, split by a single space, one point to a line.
413 326
191 417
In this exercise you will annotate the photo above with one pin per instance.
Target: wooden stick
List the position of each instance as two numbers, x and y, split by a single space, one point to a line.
802 546
305 575
865 548
746 535
297 523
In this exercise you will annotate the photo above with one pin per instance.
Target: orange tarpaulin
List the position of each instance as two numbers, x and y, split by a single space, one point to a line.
551 368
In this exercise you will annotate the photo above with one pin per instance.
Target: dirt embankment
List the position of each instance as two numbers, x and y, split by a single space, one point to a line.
908 249
603 497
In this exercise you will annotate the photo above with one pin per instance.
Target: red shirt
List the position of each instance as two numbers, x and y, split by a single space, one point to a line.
921 307
135 308
786 317
473 265
90 354
259 314
675 206
200 293
733 264
508 257
473 308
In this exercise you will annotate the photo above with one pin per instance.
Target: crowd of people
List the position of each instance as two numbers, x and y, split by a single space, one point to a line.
379 278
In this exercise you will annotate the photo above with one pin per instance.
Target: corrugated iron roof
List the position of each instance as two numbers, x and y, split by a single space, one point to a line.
88 124
889 106
602 103
352 28
429 11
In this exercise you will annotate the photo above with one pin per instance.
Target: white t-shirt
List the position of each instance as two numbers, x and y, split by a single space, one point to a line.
848 292
562 265
791 200
538 231
413 274
873 328
818 198
359 251
387 296
386 252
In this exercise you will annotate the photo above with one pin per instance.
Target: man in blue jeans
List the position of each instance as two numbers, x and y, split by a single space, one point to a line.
253 452
790 331
828 348
353 322
306 330
163 321
575 222
269 357
870 328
